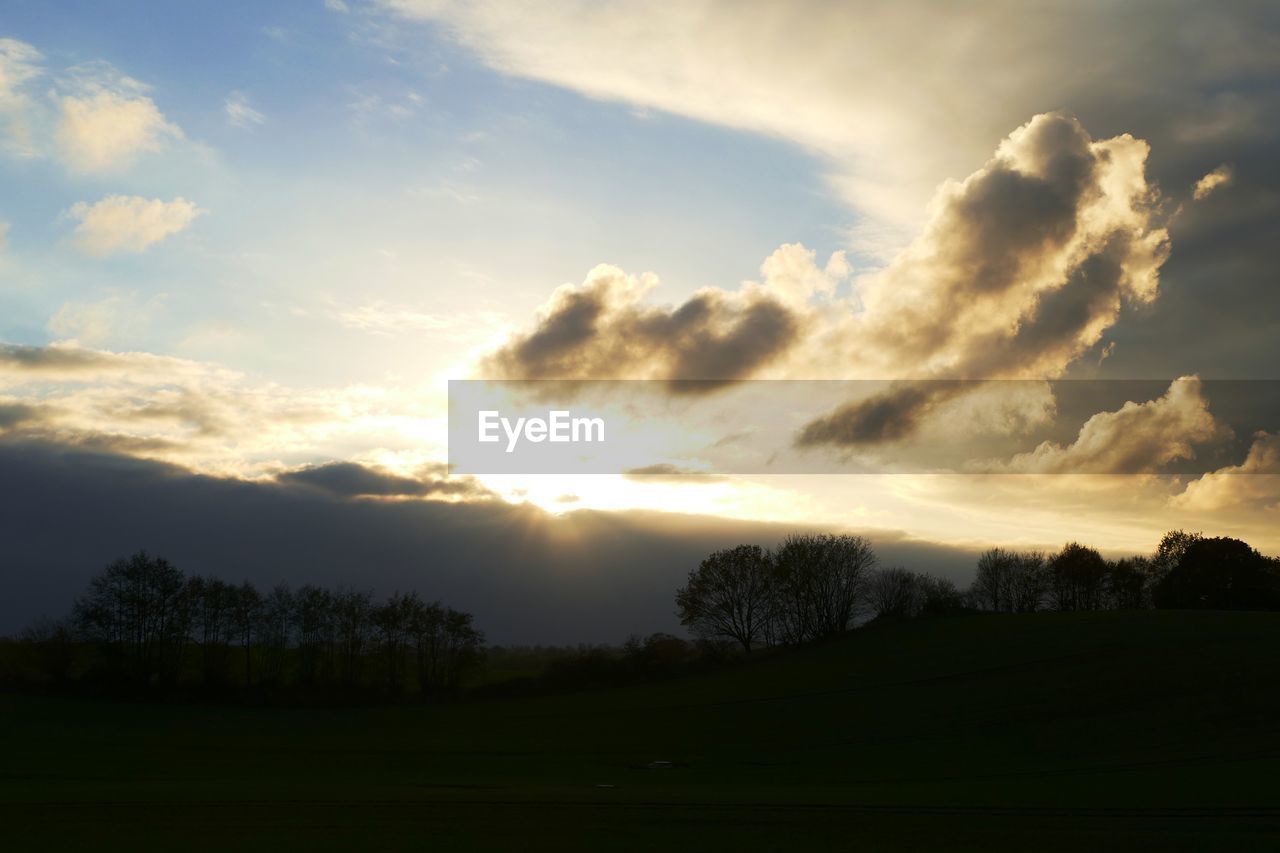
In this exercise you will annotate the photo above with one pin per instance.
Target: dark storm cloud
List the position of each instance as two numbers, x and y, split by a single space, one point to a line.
50 359
888 416
350 479
14 414
583 577
1021 269
600 331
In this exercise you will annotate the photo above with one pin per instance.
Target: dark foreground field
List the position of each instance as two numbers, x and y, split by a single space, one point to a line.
1097 731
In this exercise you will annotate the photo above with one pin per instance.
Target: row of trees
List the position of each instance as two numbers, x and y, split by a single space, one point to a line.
1186 571
816 586
810 587
146 622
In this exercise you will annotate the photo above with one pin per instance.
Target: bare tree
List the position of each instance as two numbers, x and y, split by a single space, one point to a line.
1010 581
939 596
728 595
819 584
246 619
1028 582
313 618
894 593
277 630
393 621
353 611
137 608
993 585
211 601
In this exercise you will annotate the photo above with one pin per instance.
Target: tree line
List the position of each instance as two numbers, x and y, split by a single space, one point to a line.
143 622
814 586
811 587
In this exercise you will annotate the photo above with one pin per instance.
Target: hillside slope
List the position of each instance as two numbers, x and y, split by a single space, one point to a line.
1044 731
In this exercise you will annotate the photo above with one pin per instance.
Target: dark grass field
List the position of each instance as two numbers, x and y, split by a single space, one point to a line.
1097 731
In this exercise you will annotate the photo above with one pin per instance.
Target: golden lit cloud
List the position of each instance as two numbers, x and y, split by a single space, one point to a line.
1218 178
107 122
128 223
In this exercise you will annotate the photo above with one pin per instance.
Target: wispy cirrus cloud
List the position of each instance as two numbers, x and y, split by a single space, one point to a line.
20 63
240 112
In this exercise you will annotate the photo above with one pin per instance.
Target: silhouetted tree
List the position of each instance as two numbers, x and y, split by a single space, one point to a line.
141 613
1078 576
1127 583
277 631
938 596
993 585
819 585
1010 581
316 628
211 601
394 623
462 646
353 611
1220 574
894 593
729 595
137 609
1170 550
247 612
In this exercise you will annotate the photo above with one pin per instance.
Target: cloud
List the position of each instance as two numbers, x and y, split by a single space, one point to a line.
212 419
239 112
1019 271
121 223
603 330
1219 177
896 97
13 414
665 472
107 121
4 236
1024 264
1254 481
55 362
94 323
530 577
379 317
1139 438
19 64
351 479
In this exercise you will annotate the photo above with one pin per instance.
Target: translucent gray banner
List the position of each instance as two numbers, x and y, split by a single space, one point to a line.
1184 426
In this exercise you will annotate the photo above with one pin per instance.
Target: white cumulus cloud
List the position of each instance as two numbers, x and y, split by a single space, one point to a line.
122 223
107 120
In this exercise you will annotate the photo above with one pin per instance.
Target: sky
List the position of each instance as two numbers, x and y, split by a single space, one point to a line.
244 247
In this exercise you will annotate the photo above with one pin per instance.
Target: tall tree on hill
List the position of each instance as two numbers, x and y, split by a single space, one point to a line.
894 593
729 595
819 584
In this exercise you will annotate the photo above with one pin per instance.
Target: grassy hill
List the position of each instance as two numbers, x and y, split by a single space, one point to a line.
1046 731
